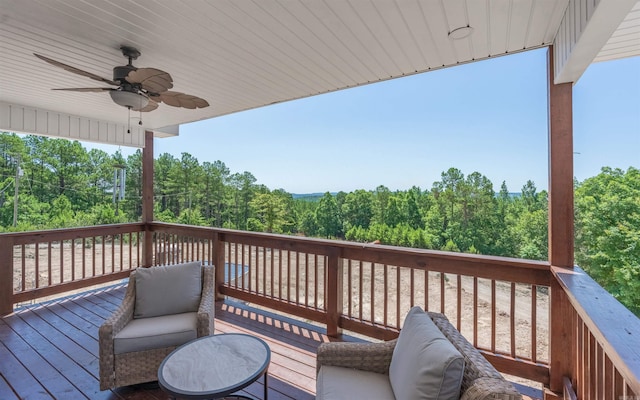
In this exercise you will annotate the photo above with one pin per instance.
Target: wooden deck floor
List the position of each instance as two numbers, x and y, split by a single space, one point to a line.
50 350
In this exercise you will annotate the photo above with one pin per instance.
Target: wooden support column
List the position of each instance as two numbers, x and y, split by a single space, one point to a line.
334 295
147 197
6 276
561 221
560 171
219 260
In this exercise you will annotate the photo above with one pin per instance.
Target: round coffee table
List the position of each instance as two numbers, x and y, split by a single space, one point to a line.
215 366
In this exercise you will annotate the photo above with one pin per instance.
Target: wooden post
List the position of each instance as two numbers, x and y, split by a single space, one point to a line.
6 276
147 197
334 293
560 225
560 171
219 260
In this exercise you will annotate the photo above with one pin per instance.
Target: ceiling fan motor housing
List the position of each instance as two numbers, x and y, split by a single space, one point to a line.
120 73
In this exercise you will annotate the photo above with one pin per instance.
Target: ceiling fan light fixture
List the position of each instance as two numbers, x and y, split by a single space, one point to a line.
127 99
460 33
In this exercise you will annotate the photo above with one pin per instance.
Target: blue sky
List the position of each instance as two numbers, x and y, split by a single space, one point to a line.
488 116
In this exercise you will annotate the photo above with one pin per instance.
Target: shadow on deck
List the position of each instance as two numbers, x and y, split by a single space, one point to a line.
50 350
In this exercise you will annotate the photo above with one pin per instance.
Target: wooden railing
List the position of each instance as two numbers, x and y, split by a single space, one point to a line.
45 263
605 337
502 305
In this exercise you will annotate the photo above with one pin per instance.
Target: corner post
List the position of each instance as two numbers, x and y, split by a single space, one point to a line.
147 197
334 293
219 261
6 276
561 225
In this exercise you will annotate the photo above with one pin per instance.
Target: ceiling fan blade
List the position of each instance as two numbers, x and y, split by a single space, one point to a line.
177 99
151 79
76 70
149 107
86 89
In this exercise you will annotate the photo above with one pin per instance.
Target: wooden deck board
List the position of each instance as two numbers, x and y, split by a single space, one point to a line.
37 364
50 350
79 365
5 388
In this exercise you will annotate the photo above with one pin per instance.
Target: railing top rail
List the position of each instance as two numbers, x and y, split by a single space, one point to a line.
491 267
70 233
615 327
433 254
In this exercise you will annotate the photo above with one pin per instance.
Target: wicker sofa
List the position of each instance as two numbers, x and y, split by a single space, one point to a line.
136 360
480 380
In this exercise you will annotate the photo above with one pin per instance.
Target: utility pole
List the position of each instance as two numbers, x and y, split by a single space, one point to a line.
15 195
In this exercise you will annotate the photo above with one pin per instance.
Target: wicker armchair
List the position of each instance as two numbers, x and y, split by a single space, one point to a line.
128 368
480 381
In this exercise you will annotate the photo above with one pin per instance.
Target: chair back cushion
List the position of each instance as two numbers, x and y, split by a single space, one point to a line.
168 289
425 365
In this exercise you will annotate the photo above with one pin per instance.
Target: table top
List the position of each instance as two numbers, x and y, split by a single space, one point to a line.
214 366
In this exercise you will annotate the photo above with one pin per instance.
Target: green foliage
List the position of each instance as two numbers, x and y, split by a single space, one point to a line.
190 216
608 232
270 210
328 217
357 209
64 185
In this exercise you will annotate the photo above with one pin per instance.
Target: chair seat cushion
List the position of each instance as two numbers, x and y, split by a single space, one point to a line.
156 332
168 289
425 365
337 383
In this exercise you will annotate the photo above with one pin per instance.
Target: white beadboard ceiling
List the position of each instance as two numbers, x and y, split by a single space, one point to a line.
243 54
625 41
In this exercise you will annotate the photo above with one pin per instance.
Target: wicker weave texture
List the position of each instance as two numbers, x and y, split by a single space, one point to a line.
374 357
481 381
138 367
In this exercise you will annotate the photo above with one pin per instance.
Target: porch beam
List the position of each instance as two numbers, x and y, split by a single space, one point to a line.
147 197
561 340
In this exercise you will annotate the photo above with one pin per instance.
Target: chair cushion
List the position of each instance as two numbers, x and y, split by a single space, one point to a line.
337 383
425 365
168 289
156 332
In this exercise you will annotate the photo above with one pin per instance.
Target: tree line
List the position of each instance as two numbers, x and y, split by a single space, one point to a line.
61 184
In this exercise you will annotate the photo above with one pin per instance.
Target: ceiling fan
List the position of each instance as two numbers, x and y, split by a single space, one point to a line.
138 89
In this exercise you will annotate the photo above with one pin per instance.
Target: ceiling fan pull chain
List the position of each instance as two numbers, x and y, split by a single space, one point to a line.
129 120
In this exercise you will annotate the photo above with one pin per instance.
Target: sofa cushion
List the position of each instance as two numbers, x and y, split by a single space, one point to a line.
168 289
156 332
425 365
337 383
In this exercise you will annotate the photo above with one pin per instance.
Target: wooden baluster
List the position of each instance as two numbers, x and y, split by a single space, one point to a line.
534 327
24 267
385 295
512 320
219 257
334 293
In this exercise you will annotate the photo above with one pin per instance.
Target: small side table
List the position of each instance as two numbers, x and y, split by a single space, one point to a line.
215 366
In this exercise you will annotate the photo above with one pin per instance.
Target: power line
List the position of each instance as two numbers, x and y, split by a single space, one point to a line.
6 187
